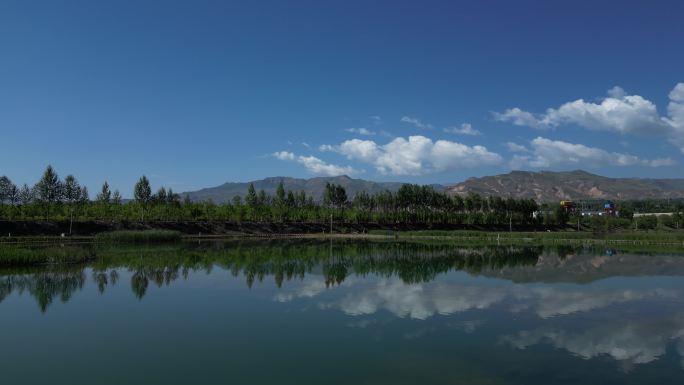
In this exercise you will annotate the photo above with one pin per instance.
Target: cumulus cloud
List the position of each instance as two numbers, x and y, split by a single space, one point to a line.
326 148
360 131
319 167
284 155
551 302
464 129
311 286
422 301
675 110
416 122
545 152
416 155
418 301
632 341
315 165
618 112
521 118
515 147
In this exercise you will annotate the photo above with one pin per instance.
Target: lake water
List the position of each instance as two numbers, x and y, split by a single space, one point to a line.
316 312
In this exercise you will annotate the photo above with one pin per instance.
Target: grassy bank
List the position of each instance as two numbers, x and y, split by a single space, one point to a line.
52 255
628 237
122 246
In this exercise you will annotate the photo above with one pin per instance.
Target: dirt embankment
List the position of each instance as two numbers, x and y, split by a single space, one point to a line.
87 228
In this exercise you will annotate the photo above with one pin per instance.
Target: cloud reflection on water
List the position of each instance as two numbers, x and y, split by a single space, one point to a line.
631 338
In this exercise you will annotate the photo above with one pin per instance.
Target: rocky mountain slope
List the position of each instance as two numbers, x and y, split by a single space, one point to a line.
547 186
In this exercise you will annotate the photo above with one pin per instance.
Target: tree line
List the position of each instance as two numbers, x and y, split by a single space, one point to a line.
53 198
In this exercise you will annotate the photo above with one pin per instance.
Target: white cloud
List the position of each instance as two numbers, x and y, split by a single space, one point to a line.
427 299
311 286
515 147
547 153
632 341
315 165
616 92
618 112
305 144
675 110
416 155
552 302
661 162
284 155
319 167
360 131
520 118
416 122
326 148
376 119
464 129
417 301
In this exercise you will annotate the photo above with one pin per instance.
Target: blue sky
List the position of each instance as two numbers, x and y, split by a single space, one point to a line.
194 94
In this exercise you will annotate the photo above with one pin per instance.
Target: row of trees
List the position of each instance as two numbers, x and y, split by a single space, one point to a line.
54 198
60 199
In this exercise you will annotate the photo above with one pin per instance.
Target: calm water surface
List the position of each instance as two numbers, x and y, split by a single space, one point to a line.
305 312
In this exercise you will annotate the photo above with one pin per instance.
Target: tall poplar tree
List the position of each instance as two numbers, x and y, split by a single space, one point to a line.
251 198
72 195
105 195
142 194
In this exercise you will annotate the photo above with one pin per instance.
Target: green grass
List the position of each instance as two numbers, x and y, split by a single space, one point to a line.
22 256
625 236
144 236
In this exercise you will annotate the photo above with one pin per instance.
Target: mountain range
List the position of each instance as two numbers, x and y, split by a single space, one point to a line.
544 186
312 187
547 186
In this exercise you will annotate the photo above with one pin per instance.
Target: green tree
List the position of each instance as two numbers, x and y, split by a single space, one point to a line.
105 195
561 215
116 197
85 197
626 213
13 194
26 195
8 193
160 196
72 195
280 195
262 199
172 197
291 200
142 194
5 184
251 198
237 201
335 195
49 190
72 189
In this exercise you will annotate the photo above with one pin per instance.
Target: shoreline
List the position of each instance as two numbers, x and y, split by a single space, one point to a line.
486 237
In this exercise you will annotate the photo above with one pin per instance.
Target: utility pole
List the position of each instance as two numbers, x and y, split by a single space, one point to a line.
331 224
510 224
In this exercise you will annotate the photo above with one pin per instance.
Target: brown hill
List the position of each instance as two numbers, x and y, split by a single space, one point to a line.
547 186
